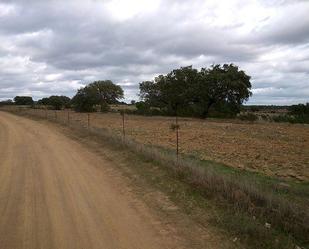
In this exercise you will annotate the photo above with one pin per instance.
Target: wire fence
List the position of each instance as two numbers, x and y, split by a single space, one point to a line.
119 124
260 147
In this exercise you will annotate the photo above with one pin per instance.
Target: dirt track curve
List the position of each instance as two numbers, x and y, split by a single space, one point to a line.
54 194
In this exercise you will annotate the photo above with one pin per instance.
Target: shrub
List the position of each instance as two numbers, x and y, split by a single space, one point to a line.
265 117
248 117
6 102
297 114
301 119
299 110
142 108
104 107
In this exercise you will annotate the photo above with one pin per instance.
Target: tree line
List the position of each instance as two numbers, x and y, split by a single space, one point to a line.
185 91
217 91
87 99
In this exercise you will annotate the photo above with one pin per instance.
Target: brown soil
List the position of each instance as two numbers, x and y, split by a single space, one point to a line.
270 148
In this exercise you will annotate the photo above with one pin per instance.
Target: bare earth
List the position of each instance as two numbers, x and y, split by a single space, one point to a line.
56 194
275 149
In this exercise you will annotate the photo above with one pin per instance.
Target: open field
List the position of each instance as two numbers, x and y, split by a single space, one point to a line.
270 148
275 149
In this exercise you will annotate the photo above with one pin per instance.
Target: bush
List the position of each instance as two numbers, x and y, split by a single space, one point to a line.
248 117
301 119
299 110
6 102
104 107
142 108
265 117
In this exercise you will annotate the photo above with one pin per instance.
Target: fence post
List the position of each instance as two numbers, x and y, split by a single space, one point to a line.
123 126
177 137
45 113
55 115
88 120
68 118
175 127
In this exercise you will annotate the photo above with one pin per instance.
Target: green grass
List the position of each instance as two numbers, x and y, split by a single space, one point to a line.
293 190
196 202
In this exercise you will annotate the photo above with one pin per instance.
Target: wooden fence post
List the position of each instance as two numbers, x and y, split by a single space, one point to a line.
175 127
68 118
177 137
123 126
55 115
88 120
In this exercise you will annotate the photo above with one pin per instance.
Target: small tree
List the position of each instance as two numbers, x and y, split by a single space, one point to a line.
100 93
106 93
56 102
23 100
59 102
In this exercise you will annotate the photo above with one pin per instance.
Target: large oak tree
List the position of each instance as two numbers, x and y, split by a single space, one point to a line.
224 85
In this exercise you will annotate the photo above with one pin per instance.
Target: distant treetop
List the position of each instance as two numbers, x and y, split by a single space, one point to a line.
23 100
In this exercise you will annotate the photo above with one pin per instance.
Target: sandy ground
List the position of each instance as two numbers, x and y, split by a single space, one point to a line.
56 194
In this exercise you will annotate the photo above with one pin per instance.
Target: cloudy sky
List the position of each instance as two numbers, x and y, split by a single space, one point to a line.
55 47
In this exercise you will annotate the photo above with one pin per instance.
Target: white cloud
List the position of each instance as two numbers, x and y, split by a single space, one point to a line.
122 9
6 9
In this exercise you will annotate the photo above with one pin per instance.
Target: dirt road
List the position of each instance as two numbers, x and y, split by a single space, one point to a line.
56 194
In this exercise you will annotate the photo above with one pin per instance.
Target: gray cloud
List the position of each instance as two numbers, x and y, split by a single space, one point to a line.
55 47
